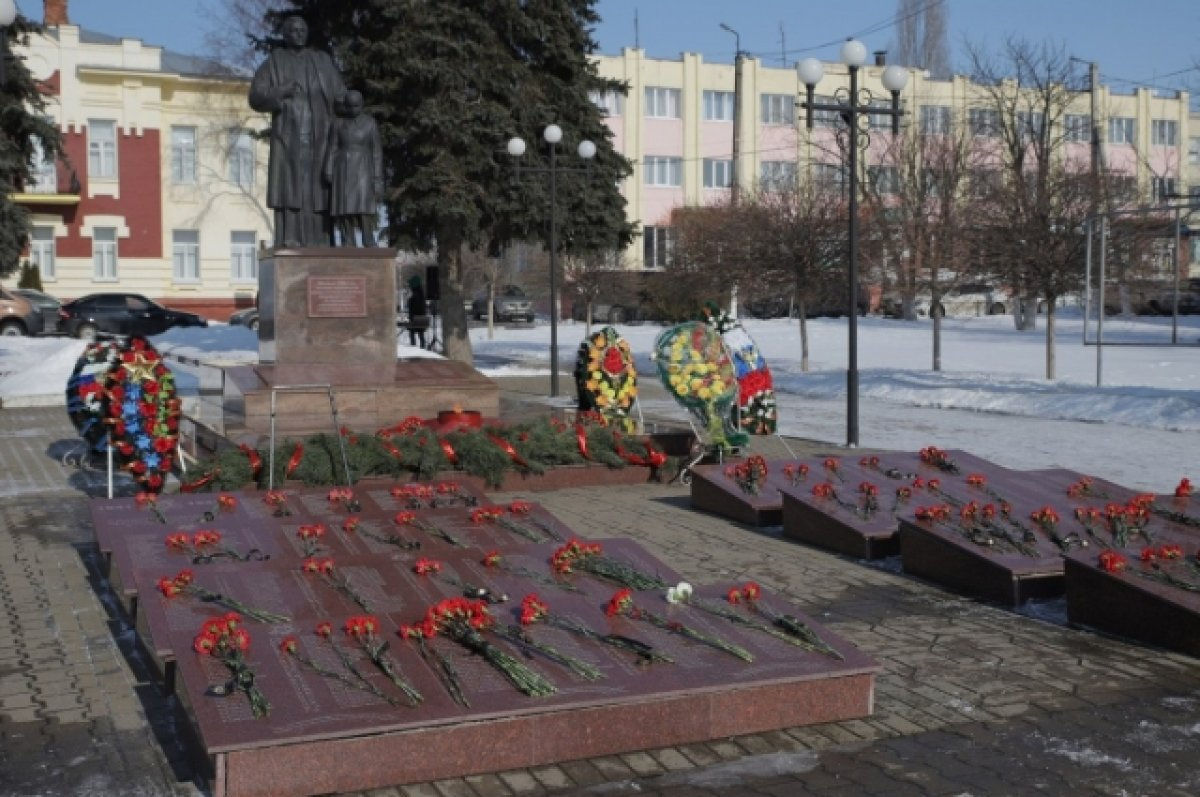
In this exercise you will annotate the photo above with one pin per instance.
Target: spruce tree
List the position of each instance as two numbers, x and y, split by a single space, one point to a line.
449 84
23 125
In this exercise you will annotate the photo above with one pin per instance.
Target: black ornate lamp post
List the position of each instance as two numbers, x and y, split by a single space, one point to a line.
852 105
586 150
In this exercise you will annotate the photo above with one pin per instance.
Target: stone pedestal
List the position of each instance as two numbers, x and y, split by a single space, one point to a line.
327 322
333 306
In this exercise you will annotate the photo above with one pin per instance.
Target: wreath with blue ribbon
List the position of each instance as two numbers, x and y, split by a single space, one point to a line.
122 393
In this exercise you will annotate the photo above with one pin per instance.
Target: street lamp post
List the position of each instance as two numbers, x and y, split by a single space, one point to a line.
851 105
586 150
735 182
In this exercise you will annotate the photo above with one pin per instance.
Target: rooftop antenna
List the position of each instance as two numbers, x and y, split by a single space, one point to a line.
637 35
782 45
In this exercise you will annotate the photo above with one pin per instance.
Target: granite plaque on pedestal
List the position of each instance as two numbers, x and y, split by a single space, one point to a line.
327 306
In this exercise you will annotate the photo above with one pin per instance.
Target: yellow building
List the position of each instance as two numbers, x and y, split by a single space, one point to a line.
676 125
162 189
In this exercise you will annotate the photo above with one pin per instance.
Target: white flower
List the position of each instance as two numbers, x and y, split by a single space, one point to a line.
679 593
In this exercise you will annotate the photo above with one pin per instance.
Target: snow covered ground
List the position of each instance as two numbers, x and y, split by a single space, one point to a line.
1141 427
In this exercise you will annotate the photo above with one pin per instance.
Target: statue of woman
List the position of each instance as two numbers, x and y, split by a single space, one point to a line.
354 171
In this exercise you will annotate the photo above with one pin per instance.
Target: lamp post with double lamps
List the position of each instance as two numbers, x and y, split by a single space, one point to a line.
852 106
587 150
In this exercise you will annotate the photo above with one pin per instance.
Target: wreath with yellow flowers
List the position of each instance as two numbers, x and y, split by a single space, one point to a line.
606 376
694 365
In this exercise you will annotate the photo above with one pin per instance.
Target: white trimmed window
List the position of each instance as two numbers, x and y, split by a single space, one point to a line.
1121 130
1077 127
1161 187
243 256
884 179
717 173
41 251
829 175
104 254
777 175
935 120
45 173
984 122
718 106
183 155
826 118
662 103
658 246
241 158
778 109
102 148
185 255
1194 150
664 171
1164 132
610 103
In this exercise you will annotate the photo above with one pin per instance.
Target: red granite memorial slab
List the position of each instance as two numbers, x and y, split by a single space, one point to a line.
281 586
1155 601
842 521
715 490
322 737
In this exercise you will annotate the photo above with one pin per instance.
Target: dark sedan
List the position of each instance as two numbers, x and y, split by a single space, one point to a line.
121 314
245 318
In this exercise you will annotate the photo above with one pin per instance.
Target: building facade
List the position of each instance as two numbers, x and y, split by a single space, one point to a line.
162 187
676 125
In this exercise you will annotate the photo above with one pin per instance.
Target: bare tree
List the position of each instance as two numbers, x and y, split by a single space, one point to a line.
919 204
921 36
1037 210
803 241
234 27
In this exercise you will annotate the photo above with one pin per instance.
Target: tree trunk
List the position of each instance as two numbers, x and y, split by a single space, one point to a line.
803 338
456 338
491 310
937 340
1025 313
1049 338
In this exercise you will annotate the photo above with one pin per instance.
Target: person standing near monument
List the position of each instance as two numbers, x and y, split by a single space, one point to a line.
299 87
354 171
418 312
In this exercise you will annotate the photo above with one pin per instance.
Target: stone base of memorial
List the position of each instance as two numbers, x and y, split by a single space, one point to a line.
327 316
1133 606
1010 579
815 522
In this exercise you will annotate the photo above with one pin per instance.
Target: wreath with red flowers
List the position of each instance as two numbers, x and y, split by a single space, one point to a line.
606 377
124 392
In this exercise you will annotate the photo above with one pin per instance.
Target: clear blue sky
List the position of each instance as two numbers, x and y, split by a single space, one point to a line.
1147 42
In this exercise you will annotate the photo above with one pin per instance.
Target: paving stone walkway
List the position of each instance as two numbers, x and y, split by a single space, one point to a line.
972 700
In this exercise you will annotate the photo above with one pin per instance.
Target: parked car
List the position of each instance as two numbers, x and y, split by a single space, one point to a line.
18 316
510 304
21 312
247 317
1164 303
969 299
46 304
121 314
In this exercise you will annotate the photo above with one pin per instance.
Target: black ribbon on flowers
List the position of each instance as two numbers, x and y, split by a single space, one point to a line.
507 448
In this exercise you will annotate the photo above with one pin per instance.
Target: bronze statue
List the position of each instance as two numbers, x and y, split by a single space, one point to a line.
354 171
299 87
